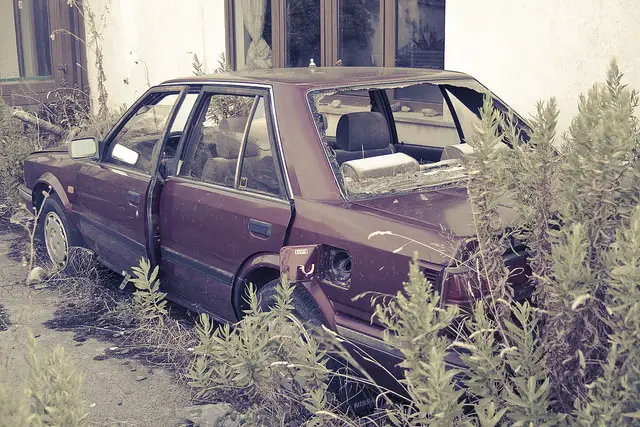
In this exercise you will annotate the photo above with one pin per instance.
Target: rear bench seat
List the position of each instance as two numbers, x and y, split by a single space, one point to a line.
362 134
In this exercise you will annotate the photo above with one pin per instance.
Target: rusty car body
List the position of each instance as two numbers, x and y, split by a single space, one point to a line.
237 178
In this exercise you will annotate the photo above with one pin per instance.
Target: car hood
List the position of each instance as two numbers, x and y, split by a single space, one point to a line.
448 209
57 149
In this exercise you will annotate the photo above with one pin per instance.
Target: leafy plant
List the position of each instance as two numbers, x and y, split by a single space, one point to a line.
414 323
51 396
487 187
54 389
267 357
148 301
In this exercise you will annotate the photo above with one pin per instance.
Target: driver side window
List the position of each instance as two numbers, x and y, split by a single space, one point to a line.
133 145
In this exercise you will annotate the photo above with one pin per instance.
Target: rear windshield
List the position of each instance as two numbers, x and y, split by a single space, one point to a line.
403 138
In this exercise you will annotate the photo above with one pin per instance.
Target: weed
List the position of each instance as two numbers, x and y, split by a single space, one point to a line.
148 302
51 396
268 357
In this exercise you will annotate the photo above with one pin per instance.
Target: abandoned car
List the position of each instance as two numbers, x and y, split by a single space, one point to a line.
334 176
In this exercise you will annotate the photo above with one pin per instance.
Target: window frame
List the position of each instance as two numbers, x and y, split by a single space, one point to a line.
188 145
68 59
329 27
106 145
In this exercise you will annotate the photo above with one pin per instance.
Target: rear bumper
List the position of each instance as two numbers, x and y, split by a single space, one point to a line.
382 361
25 196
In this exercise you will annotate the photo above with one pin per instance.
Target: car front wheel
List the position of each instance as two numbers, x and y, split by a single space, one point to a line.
56 233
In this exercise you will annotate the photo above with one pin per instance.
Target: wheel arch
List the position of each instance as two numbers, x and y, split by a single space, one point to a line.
260 269
46 181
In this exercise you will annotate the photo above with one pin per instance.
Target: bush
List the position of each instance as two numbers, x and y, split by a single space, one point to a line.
568 357
52 393
267 358
17 141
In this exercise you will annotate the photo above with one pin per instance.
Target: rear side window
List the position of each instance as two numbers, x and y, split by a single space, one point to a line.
219 140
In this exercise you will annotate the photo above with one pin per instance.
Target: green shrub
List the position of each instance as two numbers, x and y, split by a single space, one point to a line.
17 141
268 357
51 395
569 357
149 302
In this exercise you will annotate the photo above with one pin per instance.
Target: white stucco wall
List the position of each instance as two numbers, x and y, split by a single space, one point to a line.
535 49
145 42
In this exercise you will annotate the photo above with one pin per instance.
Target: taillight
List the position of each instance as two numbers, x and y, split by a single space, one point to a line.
461 286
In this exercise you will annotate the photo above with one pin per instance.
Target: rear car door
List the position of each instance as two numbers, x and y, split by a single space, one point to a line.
112 194
227 202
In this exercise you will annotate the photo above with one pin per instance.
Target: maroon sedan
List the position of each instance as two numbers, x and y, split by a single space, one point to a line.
334 176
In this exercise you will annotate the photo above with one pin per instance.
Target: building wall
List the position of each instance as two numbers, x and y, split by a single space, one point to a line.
523 50
531 50
145 42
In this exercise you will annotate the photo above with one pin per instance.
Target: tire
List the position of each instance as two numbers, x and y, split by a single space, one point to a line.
305 307
55 233
353 396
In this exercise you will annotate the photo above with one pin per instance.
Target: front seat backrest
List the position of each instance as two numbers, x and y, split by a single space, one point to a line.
362 134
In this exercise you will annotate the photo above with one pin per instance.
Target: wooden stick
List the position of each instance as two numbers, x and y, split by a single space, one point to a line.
42 124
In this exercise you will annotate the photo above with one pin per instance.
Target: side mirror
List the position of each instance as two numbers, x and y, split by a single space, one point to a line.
83 148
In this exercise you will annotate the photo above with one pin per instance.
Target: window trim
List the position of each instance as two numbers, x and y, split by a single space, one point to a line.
239 89
329 27
106 148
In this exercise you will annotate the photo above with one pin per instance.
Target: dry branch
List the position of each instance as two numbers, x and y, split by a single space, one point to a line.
42 124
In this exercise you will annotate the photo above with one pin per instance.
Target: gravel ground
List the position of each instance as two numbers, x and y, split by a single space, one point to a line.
117 391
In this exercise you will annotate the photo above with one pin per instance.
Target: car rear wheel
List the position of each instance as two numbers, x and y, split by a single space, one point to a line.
56 233
353 395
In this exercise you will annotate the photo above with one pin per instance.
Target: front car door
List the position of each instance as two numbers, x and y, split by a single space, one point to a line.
227 203
112 193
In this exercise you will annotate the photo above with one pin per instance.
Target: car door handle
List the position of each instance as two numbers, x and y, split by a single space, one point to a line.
133 198
259 228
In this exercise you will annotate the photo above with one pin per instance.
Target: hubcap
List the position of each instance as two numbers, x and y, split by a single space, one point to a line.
55 238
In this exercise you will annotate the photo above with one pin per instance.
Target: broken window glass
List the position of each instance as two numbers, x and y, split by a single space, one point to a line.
430 151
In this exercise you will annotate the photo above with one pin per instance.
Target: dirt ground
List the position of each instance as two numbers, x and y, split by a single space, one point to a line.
117 391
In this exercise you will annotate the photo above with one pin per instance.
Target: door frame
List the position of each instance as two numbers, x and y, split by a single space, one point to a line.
155 181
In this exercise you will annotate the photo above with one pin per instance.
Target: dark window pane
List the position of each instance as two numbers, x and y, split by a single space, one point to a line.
253 34
422 93
420 33
258 164
302 32
360 35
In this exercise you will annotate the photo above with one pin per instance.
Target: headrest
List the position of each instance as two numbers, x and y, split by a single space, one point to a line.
365 130
219 170
379 166
235 124
228 143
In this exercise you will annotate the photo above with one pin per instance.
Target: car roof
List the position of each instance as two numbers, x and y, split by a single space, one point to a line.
324 77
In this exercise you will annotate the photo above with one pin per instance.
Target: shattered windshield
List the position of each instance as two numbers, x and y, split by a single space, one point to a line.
431 121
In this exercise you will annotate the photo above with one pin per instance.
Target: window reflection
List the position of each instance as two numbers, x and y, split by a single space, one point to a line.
302 32
25 46
360 33
420 33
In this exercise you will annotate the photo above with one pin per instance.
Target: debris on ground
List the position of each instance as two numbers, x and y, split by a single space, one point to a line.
212 415
36 276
